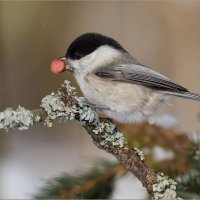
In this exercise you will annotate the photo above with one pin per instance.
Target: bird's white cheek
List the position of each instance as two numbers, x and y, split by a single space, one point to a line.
74 63
80 67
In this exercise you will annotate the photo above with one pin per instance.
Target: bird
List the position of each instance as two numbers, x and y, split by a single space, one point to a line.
114 82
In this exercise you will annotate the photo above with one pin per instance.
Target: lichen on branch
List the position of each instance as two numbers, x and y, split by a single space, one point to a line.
21 118
66 105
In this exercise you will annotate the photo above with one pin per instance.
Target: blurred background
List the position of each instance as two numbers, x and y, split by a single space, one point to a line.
164 35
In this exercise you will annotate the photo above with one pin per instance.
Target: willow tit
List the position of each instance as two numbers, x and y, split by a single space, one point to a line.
113 81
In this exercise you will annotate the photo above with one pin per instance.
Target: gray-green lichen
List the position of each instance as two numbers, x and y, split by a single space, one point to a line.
109 134
21 118
70 88
87 114
165 188
139 153
55 109
37 118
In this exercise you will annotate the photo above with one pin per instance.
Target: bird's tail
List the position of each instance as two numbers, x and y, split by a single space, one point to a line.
187 95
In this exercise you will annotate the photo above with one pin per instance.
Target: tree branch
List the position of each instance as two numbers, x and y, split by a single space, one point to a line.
65 105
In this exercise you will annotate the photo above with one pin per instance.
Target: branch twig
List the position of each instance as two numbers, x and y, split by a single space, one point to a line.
66 105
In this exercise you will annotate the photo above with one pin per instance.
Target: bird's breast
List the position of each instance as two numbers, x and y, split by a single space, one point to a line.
124 100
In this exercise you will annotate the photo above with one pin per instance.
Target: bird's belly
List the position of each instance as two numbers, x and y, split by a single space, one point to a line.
122 102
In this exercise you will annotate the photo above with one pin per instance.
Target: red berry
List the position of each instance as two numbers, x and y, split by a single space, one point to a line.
57 66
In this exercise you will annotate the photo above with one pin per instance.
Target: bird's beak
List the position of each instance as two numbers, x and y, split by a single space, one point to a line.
67 64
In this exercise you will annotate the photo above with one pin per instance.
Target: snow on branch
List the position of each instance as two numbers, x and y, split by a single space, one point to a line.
66 105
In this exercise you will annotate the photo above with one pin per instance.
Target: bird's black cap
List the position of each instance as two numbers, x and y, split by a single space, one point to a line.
89 42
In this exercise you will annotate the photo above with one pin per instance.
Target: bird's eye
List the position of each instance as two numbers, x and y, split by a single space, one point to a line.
77 55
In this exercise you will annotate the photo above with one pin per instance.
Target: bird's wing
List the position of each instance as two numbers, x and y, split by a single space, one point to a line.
140 74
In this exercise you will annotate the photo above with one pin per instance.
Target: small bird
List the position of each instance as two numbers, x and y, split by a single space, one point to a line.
114 82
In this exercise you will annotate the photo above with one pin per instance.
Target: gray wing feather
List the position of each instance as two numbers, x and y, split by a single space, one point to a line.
187 95
139 74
